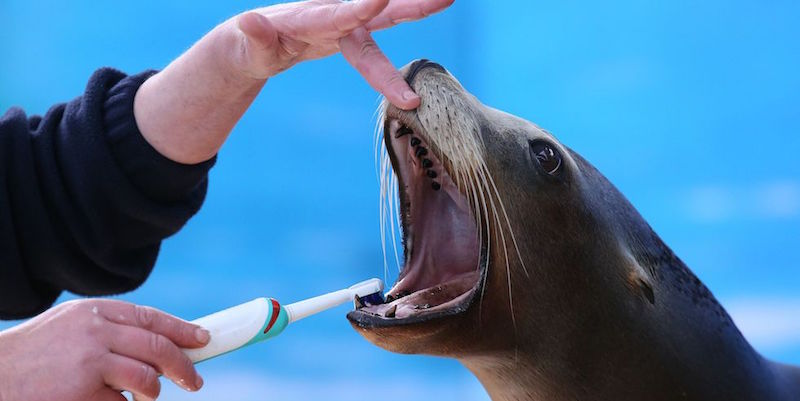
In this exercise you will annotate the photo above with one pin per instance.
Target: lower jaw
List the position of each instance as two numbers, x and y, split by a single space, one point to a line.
449 298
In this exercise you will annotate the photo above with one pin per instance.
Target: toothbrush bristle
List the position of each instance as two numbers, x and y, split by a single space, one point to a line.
372 299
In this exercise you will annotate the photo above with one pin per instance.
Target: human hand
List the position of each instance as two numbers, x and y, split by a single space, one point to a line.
274 38
187 110
90 350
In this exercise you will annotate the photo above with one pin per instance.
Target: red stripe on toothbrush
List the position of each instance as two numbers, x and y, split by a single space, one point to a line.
276 310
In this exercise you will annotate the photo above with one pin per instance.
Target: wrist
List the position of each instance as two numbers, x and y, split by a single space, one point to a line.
187 110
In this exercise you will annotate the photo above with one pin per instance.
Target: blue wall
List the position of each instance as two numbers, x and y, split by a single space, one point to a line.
690 108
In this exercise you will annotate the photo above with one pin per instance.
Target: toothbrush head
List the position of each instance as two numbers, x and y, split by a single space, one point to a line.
368 292
375 298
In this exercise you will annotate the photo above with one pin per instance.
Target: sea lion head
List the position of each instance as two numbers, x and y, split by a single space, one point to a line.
510 238
523 262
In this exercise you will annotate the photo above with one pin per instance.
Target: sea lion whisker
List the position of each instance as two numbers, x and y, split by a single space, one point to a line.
508 224
393 201
387 210
483 174
495 214
378 145
480 204
382 214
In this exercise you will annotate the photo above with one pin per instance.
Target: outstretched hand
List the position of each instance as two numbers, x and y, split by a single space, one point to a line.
277 37
187 110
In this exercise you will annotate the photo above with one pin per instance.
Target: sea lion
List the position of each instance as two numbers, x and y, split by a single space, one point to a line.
524 263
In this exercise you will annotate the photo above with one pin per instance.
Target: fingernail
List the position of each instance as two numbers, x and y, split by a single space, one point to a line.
183 385
202 335
409 95
198 383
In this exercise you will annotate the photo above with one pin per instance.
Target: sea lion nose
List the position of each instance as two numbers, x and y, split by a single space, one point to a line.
420 65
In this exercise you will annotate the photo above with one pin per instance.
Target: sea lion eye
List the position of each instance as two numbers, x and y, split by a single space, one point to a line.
547 156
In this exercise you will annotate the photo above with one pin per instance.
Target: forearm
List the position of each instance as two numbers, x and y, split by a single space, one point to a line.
187 110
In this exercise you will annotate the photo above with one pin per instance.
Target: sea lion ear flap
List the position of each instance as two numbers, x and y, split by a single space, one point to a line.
638 279
647 291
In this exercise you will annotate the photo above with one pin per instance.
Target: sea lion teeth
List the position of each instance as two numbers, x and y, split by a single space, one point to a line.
431 173
427 163
421 151
436 186
403 131
415 141
357 302
396 296
391 311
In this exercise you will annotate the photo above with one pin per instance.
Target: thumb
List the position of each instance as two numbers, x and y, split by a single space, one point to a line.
259 30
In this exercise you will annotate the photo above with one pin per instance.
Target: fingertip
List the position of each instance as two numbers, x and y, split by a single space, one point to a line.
412 100
190 386
408 100
410 96
198 383
202 335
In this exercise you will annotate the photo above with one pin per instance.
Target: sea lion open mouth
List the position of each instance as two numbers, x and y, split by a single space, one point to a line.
442 268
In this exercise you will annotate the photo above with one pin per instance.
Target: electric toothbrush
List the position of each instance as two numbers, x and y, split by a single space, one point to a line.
265 318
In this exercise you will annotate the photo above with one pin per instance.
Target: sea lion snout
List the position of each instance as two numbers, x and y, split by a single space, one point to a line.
414 67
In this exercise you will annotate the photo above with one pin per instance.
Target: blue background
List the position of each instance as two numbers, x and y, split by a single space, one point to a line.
690 108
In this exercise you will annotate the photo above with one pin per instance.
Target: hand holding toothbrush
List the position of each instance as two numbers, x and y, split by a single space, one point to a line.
90 350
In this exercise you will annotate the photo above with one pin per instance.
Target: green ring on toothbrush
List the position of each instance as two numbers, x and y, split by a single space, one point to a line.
274 324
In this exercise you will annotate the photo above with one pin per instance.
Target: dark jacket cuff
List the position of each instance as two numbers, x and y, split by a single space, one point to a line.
158 177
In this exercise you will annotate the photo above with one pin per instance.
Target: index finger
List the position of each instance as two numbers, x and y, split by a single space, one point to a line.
361 51
406 10
181 332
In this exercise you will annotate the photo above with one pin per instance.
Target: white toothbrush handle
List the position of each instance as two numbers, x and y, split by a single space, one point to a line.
231 328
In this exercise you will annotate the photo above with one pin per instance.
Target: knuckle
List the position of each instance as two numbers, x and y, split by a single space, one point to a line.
144 316
422 10
368 48
335 16
392 78
77 307
188 370
96 327
92 358
290 47
159 345
70 304
146 380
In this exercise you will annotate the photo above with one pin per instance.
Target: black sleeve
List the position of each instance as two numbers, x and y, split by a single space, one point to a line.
85 201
